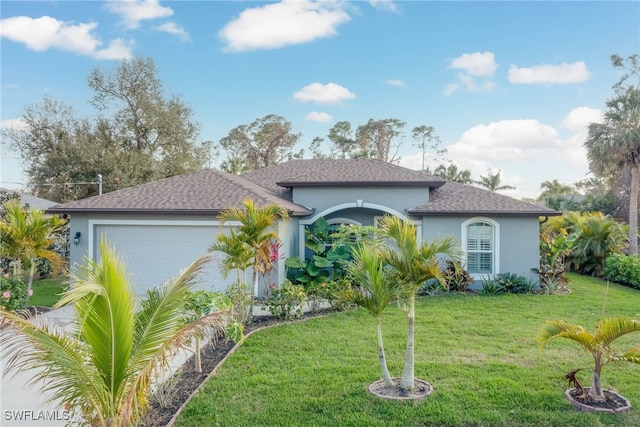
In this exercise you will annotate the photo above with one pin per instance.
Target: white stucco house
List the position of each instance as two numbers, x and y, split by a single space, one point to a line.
162 226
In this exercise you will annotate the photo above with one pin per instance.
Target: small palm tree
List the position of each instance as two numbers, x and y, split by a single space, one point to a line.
492 182
104 366
413 263
598 343
254 231
27 235
377 291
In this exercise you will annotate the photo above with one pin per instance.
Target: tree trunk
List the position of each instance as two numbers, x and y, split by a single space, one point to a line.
196 358
383 360
633 210
253 294
596 392
406 382
32 272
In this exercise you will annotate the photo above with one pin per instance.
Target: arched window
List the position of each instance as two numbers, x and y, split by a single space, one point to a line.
480 240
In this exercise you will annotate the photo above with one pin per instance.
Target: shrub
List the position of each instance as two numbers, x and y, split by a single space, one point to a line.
286 302
491 286
623 269
456 278
515 284
240 295
13 292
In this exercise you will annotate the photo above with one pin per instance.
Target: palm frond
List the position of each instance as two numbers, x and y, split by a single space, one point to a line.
632 356
610 329
561 329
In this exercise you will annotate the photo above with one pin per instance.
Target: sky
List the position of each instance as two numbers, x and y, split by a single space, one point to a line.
509 86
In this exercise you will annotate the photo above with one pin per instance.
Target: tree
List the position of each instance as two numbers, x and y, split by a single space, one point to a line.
104 370
139 136
425 138
376 291
492 182
616 142
452 173
27 235
412 264
379 139
254 232
265 142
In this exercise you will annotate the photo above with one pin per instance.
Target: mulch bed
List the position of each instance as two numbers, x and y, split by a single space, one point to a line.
613 401
187 381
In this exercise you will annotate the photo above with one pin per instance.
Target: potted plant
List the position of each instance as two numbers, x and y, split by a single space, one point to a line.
598 344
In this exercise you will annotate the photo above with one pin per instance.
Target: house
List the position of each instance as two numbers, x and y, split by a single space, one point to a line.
161 227
33 201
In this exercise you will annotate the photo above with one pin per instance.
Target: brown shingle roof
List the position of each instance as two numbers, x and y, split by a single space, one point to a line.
336 173
454 198
205 192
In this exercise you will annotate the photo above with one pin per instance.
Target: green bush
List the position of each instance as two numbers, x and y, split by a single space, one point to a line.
623 269
13 292
508 283
287 301
491 286
456 278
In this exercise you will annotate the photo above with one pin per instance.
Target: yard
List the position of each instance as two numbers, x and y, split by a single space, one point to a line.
478 352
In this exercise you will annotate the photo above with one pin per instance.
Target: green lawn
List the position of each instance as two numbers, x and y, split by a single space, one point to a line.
478 352
46 292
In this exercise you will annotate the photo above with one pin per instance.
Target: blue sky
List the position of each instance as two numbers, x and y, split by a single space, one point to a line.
508 86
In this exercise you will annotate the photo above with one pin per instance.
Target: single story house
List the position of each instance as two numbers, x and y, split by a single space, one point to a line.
161 227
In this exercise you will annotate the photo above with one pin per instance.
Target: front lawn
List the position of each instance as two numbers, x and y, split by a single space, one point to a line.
478 352
46 292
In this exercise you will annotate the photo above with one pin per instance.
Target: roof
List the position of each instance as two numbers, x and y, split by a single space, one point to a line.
455 198
32 201
361 172
204 192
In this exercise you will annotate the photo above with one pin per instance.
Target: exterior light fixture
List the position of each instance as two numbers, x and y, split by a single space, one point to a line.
76 238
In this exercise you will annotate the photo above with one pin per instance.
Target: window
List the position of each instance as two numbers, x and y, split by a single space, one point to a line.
480 244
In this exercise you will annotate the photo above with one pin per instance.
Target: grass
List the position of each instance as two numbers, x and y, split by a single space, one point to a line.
478 352
46 292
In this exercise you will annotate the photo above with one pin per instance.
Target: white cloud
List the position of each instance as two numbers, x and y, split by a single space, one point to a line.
580 118
476 64
134 11
316 116
330 93
280 24
175 29
550 74
386 5
527 152
44 33
397 83
14 124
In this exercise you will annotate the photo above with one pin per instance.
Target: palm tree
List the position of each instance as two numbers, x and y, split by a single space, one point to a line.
598 343
377 291
553 189
452 173
27 235
492 182
254 231
104 366
616 144
412 263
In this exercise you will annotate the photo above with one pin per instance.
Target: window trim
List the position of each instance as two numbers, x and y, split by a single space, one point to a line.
496 244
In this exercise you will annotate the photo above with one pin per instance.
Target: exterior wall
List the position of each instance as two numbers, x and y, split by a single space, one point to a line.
397 198
519 250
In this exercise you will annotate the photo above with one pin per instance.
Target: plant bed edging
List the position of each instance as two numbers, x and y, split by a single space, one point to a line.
421 389
585 407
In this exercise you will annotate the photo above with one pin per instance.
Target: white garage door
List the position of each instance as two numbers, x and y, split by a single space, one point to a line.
156 252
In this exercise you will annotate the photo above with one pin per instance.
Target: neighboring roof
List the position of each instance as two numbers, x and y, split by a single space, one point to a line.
32 201
455 198
204 192
360 172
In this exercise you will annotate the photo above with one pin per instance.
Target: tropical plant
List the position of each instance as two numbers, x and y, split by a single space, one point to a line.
13 292
374 290
615 143
103 368
286 301
253 232
597 343
490 286
412 264
555 247
455 276
515 283
452 173
492 182
27 235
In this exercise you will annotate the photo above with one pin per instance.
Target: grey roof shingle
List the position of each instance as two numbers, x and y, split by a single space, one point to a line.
338 172
455 198
205 192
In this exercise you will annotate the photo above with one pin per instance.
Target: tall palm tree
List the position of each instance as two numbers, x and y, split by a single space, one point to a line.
616 143
413 263
598 343
254 231
27 235
103 367
238 254
554 188
377 291
452 173
492 182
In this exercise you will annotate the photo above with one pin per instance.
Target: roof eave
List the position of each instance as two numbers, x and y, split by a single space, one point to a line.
425 184
195 212
483 212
